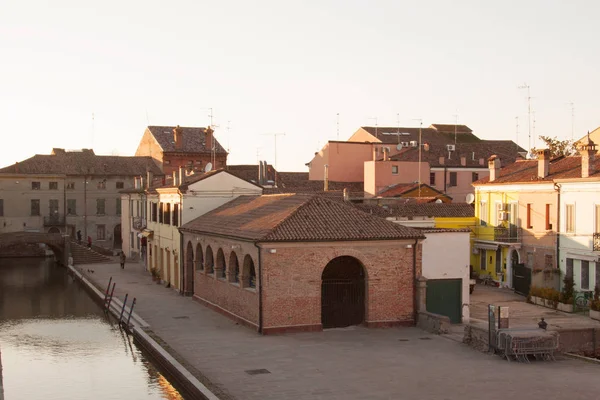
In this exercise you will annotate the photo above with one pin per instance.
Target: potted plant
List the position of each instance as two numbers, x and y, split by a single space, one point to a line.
155 275
595 304
566 296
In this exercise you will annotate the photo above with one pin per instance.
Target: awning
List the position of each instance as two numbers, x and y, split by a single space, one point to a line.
485 246
147 233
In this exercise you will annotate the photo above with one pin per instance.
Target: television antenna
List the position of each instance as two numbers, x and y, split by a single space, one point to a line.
338 126
526 86
455 126
398 129
275 139
374 118
420 135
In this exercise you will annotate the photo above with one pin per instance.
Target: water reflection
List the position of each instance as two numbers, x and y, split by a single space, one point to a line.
56 343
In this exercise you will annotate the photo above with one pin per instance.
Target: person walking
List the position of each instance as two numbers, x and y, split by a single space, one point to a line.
79 236
89 242
122 258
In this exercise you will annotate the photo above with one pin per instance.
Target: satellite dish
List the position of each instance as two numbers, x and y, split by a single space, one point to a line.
399 146
470 198
208 167
438 201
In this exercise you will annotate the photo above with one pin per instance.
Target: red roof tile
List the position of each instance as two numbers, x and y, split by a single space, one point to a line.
296 218
413 209
401 188
194 139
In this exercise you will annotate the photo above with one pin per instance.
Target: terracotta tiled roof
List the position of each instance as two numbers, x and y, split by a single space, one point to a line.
194 139
401 188
412 209
84 162
429 135
526 171
506 150
443 230
296 218
451 128
249 172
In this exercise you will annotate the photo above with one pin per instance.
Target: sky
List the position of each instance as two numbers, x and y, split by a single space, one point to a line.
81 74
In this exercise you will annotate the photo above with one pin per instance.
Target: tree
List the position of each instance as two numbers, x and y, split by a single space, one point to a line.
557 147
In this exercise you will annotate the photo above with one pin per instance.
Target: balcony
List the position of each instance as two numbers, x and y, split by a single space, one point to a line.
138 223
596 244
54 220
511 234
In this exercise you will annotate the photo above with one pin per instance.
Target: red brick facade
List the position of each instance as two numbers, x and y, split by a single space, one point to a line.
291 274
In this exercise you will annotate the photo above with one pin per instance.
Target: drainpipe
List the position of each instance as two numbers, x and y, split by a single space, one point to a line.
182 257
557 188
415 280
260 305
445 178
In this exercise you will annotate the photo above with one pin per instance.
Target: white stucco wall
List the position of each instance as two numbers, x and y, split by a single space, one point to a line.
446 256
579 244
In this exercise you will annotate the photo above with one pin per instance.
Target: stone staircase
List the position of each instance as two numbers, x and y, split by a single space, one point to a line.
83 255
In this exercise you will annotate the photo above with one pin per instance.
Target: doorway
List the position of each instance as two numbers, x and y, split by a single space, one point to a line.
343 293
117 239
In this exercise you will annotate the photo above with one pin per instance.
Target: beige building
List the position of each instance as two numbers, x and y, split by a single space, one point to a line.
152 216
69 191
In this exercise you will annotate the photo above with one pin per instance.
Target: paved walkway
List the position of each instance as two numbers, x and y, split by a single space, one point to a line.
352 363
523 314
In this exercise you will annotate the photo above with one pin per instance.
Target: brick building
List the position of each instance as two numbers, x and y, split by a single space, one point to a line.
172 147
293 262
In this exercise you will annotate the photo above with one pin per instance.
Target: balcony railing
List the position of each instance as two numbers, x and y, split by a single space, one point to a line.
596 242
54 220
138 222
512 234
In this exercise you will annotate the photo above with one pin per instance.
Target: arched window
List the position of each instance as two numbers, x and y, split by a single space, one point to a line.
199 258
210 264
234 268
249 273
221 268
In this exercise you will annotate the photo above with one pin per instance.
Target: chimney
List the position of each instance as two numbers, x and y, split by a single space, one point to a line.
260 167
494 167
346 195
441 160
174 178
463 161
181 175
326 178
543 163
148 179
178 136
208 133
386 153
374 153
588 157
264 172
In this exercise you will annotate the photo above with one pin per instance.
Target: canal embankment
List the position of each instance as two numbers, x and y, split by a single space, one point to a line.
144 337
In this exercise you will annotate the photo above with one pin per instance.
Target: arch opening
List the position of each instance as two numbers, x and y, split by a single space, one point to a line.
343 293
209 264
248 273
199 258
234 268
221 268
188 285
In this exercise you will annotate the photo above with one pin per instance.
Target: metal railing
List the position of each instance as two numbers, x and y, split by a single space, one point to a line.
54 220
512 234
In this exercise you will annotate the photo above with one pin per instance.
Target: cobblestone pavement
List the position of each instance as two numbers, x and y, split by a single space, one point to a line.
521 313
351 363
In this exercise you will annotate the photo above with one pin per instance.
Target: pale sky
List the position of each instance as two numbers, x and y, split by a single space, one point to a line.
289 67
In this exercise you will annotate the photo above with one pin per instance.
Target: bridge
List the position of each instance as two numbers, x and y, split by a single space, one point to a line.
58 243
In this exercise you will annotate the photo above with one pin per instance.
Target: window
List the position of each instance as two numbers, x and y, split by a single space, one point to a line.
529 226
453 179
570 218
167 162
499 213
131 239
167 211
585 274
100 206
53 186
100 232
71 207
482 258
70 185
432 178
1 207
35 186
570 268
548 261
160 213
394 170
474 176
483 213
548 224
35 207
175 214
120 185
597 220
154 207
137 208
102 184
118 207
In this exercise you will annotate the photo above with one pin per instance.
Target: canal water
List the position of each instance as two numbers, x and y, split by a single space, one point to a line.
57 343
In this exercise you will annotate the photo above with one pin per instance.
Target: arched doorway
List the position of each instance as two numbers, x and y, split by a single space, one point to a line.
342 293
54 230
188 284
117 239
234 268
221 268
209 261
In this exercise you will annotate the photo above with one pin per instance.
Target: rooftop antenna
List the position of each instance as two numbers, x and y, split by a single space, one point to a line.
572 120
338 126
228 129
275 138
375 118
398 126
420 132
533 127
455 126
517 132
526 86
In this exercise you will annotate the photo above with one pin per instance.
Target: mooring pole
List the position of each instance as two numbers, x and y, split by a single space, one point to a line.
123 308
107 289
111 296
130 312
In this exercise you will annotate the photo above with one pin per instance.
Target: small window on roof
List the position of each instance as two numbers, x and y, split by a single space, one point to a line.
394 170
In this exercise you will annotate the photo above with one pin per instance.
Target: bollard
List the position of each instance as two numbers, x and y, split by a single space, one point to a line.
123 308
